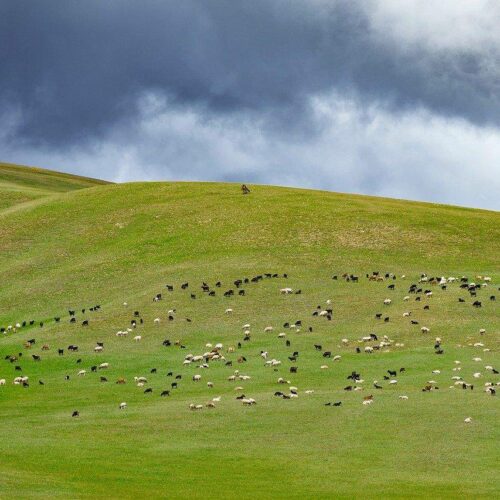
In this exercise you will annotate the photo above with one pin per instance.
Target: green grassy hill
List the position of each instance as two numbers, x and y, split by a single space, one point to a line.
112 244
20 184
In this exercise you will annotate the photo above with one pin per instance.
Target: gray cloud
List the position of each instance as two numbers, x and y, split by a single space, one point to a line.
218 89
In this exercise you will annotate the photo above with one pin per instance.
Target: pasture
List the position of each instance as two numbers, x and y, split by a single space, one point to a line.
113 244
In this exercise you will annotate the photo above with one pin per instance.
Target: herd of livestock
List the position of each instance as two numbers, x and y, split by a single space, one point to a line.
476 292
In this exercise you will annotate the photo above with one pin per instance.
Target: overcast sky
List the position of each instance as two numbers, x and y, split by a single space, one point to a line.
397 98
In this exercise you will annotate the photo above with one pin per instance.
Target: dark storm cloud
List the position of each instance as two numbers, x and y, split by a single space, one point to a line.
74 69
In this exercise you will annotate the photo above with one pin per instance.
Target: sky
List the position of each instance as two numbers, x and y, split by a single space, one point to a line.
397 98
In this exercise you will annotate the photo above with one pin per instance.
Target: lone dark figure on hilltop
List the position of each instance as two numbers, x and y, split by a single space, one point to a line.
244 189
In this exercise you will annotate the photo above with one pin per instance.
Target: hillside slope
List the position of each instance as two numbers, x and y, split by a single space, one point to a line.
118 245
130 235
20 184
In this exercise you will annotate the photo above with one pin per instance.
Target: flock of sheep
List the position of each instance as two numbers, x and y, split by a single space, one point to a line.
205 357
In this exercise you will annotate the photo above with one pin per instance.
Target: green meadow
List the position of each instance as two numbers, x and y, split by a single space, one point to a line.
69 242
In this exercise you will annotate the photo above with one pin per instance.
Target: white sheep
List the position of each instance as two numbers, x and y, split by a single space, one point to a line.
156 321
468 420
268 329
210 385
286 291
228 311
81 373
123 406
387 302
248 401
404 398
138 338
98 348
2 381
196 378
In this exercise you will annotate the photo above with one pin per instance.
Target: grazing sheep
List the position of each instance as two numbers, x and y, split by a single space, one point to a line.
2 381
468 420
137 338
404 398
228 311
387 302
249 401
122 406
196 378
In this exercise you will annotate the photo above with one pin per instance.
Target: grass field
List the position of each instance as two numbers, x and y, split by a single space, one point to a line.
71 243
